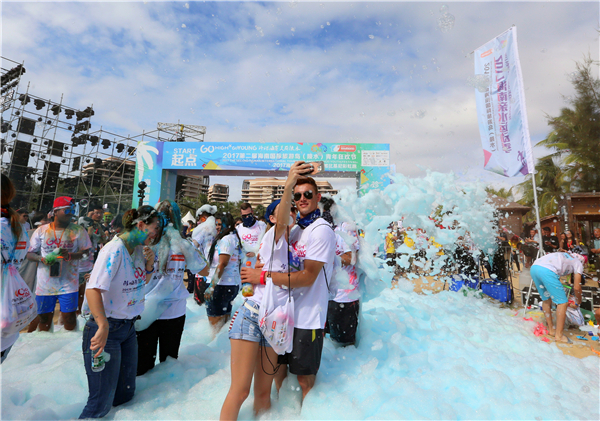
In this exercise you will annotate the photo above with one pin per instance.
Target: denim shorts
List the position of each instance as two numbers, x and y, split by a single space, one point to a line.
220 303
244 324
46 303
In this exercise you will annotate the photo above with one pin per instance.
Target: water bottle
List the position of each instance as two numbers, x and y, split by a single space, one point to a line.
99 362
247 287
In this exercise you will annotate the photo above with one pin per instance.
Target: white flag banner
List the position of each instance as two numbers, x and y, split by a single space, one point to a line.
501 111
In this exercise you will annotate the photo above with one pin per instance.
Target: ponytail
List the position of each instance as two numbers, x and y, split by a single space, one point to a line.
8 194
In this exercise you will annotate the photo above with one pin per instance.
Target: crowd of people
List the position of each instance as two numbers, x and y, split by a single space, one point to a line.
127 277
135 297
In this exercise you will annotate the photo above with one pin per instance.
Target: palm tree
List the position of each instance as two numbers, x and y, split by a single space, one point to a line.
501 192
576 132
549 183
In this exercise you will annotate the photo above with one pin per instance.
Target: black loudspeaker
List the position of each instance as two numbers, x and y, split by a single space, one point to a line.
50 176
56 148
18 164
26 126
76 164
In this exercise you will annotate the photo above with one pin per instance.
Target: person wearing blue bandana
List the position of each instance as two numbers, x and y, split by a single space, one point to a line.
314 248
251 232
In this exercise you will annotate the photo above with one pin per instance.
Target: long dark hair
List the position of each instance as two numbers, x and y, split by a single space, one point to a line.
8 194
227 228
146 214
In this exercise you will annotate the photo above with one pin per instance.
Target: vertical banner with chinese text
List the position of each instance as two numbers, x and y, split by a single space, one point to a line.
501 111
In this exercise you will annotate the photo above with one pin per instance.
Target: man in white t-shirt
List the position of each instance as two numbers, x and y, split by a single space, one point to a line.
546 272
251 232
314 245
60 245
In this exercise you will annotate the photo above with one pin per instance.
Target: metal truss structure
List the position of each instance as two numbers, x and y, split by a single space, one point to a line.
50 149
178 132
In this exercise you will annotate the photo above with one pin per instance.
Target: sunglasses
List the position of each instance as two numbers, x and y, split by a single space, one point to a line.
307 194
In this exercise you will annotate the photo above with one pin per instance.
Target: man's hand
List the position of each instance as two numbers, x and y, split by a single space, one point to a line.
297 170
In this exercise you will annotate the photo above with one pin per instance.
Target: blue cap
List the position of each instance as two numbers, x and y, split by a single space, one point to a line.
270 210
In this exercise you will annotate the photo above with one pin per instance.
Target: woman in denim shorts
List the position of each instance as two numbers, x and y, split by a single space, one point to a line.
225 259
251 355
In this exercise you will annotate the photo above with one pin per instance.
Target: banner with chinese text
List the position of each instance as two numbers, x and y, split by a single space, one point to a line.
501 111
369 161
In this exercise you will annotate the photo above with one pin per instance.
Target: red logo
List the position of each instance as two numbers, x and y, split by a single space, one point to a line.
487 53
274 324
344 148
20 245
22 292
139 273
178 258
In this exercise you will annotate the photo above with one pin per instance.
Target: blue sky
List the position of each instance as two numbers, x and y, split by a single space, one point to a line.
299 71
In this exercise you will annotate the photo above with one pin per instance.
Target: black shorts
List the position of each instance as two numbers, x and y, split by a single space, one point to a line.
342 319
220 303
305 358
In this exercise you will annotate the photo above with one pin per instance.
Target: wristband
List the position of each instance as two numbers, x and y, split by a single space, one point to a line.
262 278
148 272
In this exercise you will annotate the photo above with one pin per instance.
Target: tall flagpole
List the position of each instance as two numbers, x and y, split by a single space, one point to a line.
530 165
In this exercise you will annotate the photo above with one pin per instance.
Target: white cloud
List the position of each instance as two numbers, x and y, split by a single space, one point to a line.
138 66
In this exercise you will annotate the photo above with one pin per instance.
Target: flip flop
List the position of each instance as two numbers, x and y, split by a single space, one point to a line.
569 341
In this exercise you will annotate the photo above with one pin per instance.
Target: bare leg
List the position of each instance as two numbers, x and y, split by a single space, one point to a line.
306 383
547 307
33 325
263 378
69 320
45 321
243 360
217 322
561 315
280 376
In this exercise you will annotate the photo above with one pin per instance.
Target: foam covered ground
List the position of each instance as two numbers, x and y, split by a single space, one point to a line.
441 356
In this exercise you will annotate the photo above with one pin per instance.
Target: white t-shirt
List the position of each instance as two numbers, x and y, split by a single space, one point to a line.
350 294
560 263
174 275
121 278
204 234
251 238
12 253
74 239
227 245
277 259
315 242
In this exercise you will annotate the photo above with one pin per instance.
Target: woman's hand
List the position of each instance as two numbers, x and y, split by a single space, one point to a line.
98 342
209 292
149 256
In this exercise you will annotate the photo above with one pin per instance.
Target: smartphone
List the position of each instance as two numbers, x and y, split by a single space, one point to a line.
56 268
317 167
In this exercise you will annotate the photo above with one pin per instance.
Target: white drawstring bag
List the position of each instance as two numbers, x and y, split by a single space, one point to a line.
18 305
276 321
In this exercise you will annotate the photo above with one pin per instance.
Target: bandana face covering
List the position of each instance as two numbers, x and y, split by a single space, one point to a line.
308 219
248 220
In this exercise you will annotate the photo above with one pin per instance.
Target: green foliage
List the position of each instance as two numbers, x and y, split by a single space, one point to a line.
502 192
574 163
